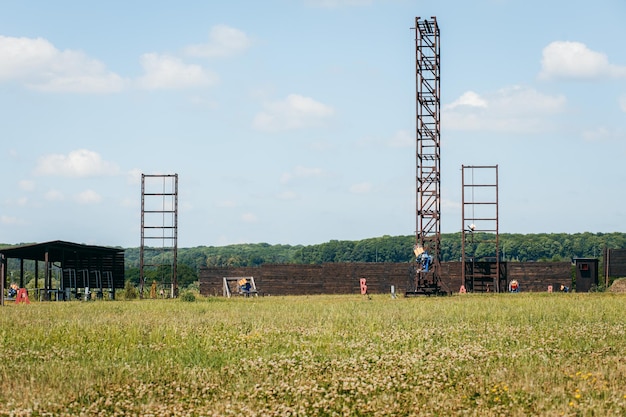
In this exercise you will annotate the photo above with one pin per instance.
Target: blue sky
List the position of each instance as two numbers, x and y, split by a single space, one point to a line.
292 121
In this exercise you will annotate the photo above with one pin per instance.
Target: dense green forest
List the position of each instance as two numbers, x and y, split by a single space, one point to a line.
513 247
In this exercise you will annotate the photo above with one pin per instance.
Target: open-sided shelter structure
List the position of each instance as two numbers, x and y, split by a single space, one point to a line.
69 268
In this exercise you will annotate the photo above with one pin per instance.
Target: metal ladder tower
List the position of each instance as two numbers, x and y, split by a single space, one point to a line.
426 280
159 231
480 245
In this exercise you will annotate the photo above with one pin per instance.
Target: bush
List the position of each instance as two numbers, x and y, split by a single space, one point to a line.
194 287
188 296
597 288
130 291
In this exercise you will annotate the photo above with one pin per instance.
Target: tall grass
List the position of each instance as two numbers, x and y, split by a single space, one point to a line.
480 355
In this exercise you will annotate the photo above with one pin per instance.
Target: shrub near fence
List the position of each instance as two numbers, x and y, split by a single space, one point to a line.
343 278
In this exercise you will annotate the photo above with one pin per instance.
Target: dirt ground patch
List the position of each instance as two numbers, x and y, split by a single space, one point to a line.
619 285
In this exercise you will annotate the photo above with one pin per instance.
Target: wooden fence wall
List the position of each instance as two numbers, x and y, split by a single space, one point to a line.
343 278
615 261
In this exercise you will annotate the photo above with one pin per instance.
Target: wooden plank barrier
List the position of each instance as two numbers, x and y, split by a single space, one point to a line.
344 278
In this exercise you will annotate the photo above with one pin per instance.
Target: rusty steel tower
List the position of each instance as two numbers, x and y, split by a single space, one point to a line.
424 278
158 253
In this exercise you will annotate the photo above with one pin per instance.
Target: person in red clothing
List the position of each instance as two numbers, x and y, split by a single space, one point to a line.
514 286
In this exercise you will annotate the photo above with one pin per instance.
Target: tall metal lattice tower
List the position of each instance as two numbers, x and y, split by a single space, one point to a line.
425 278
158 253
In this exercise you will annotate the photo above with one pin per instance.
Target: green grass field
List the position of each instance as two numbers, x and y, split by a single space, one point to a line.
477 355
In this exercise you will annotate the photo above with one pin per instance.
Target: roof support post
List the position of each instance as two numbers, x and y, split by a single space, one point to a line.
3 272
47 280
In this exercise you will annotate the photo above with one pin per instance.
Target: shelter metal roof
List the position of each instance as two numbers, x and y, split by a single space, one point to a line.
72 259
57 250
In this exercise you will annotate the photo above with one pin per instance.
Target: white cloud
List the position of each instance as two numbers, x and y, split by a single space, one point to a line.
361 188
84 83
470 99
603 134
54 195
27 185
622 103
133 177
166 72
9 220
41 66
526 101
574 60
301 172
129 202
88 197
223 41
249 218
226 204
514 109
79 163
294 112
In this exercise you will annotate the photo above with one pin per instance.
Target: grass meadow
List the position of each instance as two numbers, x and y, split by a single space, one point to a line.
464 355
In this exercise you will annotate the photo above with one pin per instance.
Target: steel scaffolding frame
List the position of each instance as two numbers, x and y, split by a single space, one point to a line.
159 226
480 227
428 154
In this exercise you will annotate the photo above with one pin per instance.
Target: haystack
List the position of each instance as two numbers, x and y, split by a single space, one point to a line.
619 285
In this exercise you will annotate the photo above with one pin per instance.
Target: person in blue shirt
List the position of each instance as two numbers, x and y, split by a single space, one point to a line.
12 291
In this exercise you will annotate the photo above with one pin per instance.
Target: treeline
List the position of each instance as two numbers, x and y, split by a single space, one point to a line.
513 247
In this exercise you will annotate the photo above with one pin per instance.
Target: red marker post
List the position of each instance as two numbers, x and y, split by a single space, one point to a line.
22 296
363 286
